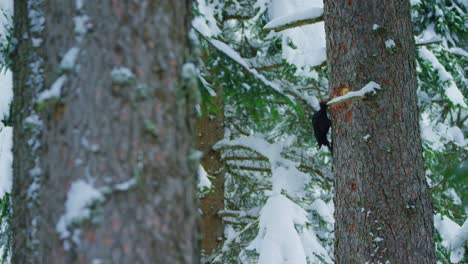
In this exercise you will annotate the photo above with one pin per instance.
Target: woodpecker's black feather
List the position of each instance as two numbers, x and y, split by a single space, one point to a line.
322 124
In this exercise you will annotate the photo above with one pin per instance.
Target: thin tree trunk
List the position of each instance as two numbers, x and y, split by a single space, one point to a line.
210 129
383 205
119 134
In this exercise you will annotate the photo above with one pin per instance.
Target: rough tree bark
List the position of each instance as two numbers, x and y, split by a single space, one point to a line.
210 129
127 137
382 204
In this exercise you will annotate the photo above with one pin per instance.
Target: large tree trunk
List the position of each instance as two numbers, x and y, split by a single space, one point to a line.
122 142
382 204
210 129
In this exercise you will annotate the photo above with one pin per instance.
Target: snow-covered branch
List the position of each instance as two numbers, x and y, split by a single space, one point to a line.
424 42
301 18
371 87
231 53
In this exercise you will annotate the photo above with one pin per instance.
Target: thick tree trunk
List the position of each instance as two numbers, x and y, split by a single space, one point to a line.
118 135
382 204
210 129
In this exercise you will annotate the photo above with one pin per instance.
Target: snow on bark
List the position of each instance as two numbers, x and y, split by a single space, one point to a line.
54 91
390 44
122 75
80 197
69 60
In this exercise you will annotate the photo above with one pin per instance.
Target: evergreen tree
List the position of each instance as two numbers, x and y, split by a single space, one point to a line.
440 27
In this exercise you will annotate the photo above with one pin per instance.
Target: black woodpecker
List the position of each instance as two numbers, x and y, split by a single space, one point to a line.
322 124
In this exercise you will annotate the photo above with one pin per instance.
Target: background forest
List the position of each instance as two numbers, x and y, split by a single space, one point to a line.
261 73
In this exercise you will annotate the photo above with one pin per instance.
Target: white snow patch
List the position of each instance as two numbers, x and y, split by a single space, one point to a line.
189 70
206 22
69 59
323 210
80 196
390 44
36 42
206 85
79 4
36 17
54 91
450 192
89 146
122 75
230 52
428 36
305 14
278 241
288 178
6 6
126 185
371 87
451 134
375 27
378 239
427 133
33 120
458 51
455 95
452 92
308 39
82 24
6 93
203 180
453 236
6 160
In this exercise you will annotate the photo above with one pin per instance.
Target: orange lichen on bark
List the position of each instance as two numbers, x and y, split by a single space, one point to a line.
348 116
353 185
344 46
59 111
90 236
